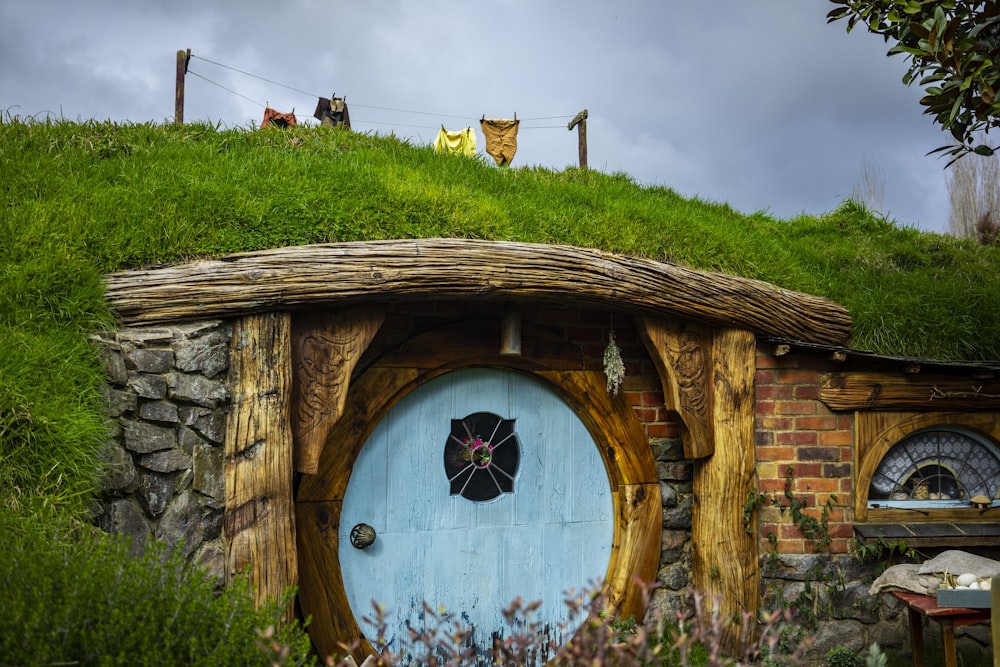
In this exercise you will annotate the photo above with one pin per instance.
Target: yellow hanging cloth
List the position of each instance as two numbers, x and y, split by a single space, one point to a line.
462 142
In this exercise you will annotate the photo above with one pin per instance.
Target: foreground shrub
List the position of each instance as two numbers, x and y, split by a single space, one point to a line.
694 638
72 595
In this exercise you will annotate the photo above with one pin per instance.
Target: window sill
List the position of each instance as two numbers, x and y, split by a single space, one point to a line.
931 534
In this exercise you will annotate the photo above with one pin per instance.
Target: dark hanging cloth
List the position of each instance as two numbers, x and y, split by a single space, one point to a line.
332 112
278 119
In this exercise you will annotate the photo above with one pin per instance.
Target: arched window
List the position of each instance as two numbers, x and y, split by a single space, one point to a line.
936 467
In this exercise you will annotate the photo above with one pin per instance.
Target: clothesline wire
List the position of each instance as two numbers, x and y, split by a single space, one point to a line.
356 121
190 71
277 83
363 106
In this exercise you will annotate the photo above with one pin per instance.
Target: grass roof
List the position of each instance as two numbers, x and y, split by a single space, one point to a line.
85 198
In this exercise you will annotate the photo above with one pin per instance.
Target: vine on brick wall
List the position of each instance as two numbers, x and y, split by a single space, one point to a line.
815 530
808 604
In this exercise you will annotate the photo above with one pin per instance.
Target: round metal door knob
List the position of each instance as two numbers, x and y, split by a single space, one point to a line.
362 536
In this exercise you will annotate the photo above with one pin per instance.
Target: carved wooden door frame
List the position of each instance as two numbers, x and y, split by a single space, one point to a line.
611 421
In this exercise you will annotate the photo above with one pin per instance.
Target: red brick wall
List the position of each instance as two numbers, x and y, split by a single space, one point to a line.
795 430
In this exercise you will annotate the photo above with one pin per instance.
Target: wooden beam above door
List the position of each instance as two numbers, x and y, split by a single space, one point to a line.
399 270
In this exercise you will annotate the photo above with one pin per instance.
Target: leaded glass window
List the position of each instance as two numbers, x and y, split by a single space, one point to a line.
481 456
936 467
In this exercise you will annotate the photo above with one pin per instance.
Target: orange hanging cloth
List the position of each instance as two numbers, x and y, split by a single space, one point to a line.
278 119
501 138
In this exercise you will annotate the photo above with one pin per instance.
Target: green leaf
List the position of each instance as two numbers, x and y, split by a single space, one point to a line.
955 109
983 149
836 14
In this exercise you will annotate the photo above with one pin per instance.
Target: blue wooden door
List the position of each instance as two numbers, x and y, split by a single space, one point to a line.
546 532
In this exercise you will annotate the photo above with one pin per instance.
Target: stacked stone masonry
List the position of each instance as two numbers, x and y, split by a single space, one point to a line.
166 396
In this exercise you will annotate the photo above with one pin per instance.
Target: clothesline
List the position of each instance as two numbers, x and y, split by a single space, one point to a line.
362 106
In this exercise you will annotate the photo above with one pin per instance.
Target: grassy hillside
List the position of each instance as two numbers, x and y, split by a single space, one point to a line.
81 199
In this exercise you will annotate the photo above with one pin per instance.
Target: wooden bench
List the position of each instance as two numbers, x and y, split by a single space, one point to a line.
948 618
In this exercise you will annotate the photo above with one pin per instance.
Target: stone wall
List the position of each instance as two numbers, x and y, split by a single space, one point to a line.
167 399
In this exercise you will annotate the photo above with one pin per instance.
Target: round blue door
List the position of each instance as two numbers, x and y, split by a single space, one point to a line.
482 486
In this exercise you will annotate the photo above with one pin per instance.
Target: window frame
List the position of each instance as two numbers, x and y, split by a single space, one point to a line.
877 432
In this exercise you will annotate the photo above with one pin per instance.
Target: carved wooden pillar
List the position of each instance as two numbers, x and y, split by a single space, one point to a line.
724 558
708 378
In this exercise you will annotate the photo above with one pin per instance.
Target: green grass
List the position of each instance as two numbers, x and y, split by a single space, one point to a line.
82 199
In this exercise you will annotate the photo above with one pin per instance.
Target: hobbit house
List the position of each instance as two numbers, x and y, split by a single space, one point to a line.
432 420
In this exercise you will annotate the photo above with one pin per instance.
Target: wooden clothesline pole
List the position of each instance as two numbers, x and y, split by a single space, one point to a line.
580 122
183 57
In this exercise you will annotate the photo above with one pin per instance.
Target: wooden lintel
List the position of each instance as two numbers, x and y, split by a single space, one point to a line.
325 351
884 391
301 277
683 360
258 525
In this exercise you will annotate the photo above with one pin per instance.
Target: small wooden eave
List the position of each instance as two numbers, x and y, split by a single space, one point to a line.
983 369
863 380
401 270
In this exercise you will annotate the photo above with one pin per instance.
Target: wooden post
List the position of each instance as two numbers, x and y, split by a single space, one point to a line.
724 560
580 122
183 57
995 618
258 526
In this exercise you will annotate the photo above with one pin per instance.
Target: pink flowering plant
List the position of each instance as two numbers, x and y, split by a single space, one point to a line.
477 450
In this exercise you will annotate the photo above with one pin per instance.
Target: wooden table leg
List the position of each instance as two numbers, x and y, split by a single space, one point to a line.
948 640
916 638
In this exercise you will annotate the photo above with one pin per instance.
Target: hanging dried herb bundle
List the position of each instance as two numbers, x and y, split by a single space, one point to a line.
614 367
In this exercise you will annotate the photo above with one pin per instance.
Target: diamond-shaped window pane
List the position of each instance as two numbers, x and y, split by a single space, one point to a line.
938 465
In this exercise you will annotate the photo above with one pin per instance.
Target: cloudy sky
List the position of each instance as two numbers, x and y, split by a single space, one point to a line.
758 103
